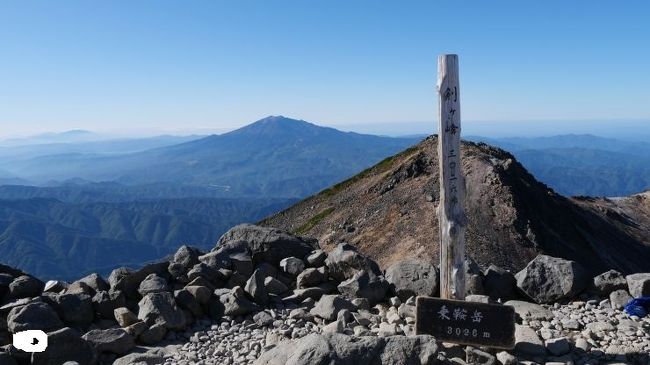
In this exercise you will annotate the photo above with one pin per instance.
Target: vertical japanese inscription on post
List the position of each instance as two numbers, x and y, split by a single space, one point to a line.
451 214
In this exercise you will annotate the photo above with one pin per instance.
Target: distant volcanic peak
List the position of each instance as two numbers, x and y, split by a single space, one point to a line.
278 124
274 118
280 120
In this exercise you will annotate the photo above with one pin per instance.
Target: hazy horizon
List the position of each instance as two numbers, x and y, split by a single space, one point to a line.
162 67
636 130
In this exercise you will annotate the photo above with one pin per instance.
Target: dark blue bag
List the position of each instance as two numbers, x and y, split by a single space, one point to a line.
639 307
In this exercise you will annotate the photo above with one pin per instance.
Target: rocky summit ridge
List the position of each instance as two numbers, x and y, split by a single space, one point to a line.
265 296
389 212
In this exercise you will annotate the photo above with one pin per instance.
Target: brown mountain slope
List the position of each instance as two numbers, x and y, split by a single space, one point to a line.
389 212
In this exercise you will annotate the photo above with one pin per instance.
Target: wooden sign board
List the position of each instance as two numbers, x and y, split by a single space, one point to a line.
467 323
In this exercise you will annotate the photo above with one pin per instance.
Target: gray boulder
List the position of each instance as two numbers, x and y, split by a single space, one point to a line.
205 272
263 318
153 284
506 358
619 298
146 358
25 286
184 259
242 263
267 269
201 281
187 301
65 345
128 280
530 311
292 265
479 357
118 276
33 316
558 346
201 293
125 317
547 279
340 349
220 256
275 286
364 285
79 287
412 277
315 349
473 278
215 308
4 309
411 350
608 282
329 305
153 334
298 295
639 284
311 277
474 284
105 302
161 308
316 258
268 244
95 281
345 261
528 342
136 329
499 283
235 303
114 340
75 309
236 279
256 289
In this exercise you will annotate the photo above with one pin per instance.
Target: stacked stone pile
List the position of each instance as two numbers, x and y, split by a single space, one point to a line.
264 296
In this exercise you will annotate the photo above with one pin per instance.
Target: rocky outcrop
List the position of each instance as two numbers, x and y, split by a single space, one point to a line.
639 284
608 282
228 292
389 212
24 286
412 277
345 261
33 316
113 340
161 308
268 244
339 349
65 345
364 284
329 306
547 279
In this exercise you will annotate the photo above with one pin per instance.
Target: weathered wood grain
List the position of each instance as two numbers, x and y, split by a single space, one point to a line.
451 214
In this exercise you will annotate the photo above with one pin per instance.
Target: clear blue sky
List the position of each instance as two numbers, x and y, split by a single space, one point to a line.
189 65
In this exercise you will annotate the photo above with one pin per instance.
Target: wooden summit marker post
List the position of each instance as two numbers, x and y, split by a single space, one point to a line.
450 318
451 212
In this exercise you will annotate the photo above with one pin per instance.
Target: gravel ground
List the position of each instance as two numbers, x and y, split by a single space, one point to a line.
576 333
